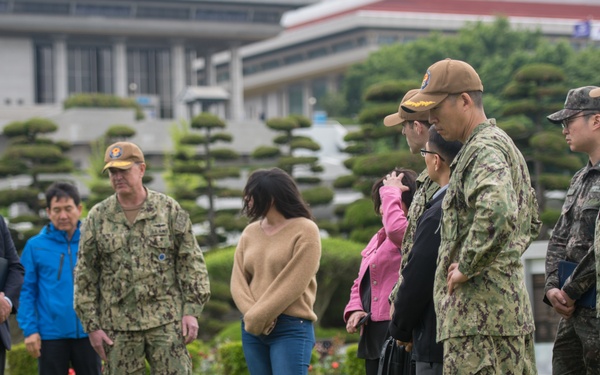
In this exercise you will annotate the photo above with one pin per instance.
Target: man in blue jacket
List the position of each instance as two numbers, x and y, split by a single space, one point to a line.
52 331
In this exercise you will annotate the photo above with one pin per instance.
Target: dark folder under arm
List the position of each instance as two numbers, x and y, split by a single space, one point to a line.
565 269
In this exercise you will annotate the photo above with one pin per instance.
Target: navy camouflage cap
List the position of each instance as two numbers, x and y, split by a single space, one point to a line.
578 100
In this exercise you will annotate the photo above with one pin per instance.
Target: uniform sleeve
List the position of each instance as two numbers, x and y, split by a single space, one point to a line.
289 284
416 291
488 189
190 266
87 276
557 246
583 277
240 290
27 314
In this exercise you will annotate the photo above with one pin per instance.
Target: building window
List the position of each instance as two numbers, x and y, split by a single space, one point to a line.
313 54
319 91
150 70
292 59
44 74
295 99
343 46
387 39
270 64
266 17
3 6
90 69
163 13
113 11
222 15
41 8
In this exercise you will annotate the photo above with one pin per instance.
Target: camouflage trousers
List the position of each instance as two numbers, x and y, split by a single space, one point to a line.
163 347
489 355
577 344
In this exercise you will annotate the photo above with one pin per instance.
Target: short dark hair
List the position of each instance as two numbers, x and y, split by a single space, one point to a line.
409 180
447 149
61 190
275 187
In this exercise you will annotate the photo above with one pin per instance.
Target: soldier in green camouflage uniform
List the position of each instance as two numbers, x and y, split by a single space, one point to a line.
415 128
141 281
577 343
595 93
489 218
597 256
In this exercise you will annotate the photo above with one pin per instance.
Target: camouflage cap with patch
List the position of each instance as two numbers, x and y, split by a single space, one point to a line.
122 155
443 78
578 100
401 116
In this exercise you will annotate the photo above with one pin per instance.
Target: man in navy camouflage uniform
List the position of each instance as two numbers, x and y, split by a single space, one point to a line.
490 216
141 280
415 127
577 343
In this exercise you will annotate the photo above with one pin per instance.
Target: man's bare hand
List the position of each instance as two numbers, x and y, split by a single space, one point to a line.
190 328
97 339
407 345
5 308
561 302
33 344
455 278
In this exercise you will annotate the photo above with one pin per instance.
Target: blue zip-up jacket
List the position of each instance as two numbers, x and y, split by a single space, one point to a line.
46 302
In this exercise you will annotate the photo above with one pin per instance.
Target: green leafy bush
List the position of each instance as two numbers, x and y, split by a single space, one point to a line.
103 101
231 357
20 362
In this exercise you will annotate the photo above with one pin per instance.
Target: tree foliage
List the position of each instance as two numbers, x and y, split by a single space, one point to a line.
295 155
525 76
196 166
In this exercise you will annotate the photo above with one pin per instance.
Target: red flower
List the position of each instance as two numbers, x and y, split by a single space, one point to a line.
335 365
71 371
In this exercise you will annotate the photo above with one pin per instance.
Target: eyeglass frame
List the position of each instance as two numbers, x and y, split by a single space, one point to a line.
566 122
423 152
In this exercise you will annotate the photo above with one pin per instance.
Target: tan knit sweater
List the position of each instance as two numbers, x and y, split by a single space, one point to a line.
276 274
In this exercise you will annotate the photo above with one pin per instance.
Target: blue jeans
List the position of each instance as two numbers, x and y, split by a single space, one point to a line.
287 350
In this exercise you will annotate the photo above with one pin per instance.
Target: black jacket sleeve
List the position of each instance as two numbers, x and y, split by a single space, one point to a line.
14 280
416 291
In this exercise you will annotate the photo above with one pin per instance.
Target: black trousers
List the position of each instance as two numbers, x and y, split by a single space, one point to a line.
60 355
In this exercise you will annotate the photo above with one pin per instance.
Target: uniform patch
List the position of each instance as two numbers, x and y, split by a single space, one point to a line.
115 152
426 79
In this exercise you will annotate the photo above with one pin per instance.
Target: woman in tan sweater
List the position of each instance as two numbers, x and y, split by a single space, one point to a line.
273 282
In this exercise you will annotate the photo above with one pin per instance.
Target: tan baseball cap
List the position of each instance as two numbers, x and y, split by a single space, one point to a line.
122 155
595 93
401 116
443 78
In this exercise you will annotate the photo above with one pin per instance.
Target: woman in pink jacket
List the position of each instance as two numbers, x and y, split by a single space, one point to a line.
368 310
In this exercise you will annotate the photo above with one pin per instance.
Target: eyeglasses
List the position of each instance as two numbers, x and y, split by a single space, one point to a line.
566 122
423 152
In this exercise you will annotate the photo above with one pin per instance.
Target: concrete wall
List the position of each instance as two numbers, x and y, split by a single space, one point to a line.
16 72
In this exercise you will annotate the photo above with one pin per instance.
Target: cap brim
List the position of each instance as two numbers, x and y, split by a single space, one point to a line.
119 164
563 114
422 102
392 120
595 93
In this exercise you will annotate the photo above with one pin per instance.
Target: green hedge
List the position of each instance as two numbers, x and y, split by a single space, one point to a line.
231 357
103 101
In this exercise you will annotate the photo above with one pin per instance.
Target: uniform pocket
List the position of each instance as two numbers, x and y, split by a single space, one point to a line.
449 222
